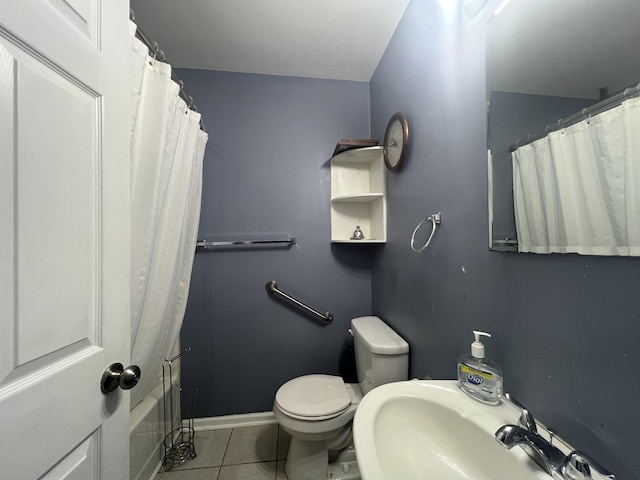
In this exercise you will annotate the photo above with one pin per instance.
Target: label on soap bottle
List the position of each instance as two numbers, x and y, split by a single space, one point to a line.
475 376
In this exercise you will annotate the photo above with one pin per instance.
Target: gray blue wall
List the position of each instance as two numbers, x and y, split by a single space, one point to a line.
266 176
566 327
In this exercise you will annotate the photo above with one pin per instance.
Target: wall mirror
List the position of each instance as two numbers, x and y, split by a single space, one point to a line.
573 60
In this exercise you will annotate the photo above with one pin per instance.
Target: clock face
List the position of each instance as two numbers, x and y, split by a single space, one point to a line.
395 141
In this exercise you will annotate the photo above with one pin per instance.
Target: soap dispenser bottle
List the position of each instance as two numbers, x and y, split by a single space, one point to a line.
479 376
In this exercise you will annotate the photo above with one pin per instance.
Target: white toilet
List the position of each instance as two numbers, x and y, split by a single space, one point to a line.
317 410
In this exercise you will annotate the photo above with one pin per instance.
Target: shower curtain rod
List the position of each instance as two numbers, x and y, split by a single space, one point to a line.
603 106
159 54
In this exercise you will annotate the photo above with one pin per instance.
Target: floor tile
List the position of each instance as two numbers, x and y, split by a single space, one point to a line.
280 475
193 474
210 448
284 439
249 471
252 444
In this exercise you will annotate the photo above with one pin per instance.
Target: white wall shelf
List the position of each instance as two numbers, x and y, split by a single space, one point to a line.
358 196
362 197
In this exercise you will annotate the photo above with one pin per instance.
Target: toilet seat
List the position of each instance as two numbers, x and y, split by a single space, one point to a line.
313 397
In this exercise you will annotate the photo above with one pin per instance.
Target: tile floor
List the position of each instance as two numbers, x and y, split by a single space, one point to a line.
249 453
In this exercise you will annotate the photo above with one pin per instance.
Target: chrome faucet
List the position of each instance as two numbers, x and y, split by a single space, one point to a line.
575 466
546 455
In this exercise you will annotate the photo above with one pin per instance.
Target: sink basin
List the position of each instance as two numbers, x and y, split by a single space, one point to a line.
430 429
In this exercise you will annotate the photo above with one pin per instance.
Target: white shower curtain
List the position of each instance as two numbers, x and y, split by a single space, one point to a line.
167 149
577 190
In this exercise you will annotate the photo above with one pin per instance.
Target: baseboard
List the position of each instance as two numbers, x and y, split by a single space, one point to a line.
234 421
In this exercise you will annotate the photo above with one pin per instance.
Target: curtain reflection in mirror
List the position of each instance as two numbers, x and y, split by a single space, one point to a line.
577 190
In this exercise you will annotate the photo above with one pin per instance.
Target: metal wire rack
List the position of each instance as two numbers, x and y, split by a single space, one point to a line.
179 445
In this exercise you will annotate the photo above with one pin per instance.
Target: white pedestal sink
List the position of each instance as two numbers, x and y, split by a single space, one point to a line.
431 430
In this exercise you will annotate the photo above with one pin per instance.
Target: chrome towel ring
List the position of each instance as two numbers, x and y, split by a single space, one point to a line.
435 220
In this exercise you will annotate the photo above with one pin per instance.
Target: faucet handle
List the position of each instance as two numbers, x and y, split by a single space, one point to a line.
578 466
526 419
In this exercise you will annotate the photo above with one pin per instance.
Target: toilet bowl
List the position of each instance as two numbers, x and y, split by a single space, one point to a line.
317 410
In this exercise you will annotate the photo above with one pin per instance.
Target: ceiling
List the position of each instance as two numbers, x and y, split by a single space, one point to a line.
550 47
565 48
335 39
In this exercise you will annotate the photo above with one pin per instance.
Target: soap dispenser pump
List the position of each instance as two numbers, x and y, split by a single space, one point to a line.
480 377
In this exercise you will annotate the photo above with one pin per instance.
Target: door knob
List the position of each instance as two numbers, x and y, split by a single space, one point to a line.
117 376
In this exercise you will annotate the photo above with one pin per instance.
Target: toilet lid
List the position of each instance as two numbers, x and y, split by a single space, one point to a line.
313 396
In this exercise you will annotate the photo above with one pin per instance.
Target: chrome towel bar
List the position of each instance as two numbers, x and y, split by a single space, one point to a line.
203 244
272 287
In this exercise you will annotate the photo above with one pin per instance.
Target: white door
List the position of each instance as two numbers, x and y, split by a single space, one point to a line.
64 238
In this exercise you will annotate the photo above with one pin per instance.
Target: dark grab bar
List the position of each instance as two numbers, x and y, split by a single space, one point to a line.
272 288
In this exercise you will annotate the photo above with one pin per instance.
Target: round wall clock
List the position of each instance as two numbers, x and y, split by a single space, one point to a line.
396 138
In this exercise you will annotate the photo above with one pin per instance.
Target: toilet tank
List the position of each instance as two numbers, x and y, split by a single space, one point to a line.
382 356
